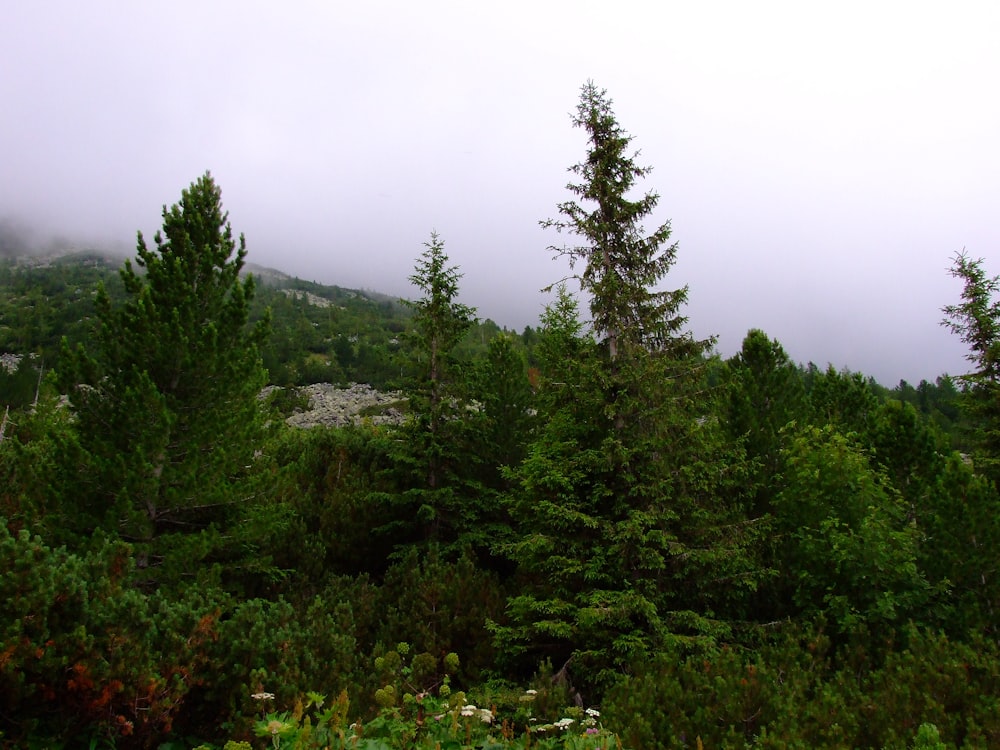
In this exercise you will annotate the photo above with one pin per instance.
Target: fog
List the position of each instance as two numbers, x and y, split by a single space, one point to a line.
820 164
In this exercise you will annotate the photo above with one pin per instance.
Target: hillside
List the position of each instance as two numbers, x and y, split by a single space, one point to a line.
320 333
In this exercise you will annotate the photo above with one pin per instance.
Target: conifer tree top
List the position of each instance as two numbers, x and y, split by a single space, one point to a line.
622 263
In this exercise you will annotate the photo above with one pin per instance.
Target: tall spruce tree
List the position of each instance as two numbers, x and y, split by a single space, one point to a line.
432 457
626 500
622 263
166 394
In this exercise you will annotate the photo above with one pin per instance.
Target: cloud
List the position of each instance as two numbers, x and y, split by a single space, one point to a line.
819 164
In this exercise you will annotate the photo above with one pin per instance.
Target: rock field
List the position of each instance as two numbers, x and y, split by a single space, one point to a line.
333 406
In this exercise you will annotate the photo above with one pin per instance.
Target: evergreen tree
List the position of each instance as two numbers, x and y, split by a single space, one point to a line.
956 512
976 320
439 324
504 393
844 399
166 394
622 264
623 504
765 394
19 387
432 454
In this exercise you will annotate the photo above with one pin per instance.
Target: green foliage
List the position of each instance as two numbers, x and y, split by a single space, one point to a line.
938 401
277 648
503 392
328 334
37 489
44 301
19 386
674 700
728 554
621 265
765 393
976 320
165 396
328 480
442 607
433 457
428 721
958 515
439 320
320 333
800 692
844 531
928 738
619 504
79 647
844 399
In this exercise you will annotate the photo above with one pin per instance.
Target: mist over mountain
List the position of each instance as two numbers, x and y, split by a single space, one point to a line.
23 239
906 358
15 238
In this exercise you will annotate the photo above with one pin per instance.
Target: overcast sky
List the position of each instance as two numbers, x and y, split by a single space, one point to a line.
820 162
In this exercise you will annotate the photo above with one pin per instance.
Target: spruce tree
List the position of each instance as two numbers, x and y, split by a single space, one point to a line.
166 393
502 390
626 499
976 320
432 457
622 263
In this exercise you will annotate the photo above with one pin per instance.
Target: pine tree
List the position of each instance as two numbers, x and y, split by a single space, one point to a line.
764 393
166 394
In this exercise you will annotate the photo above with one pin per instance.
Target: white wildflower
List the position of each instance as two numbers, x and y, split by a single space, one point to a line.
592 712
263 696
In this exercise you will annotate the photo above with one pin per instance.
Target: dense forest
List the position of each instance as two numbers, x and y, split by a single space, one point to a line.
595 533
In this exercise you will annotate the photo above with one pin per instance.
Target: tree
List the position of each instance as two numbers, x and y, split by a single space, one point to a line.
504 393
844 399
19 386
843 529
622 265
166 394
976 320
432 455
622 501
765 394
439 320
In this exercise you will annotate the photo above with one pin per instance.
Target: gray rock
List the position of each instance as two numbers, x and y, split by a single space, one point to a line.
334 407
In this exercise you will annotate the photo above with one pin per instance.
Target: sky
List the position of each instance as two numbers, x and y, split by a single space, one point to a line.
820 163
